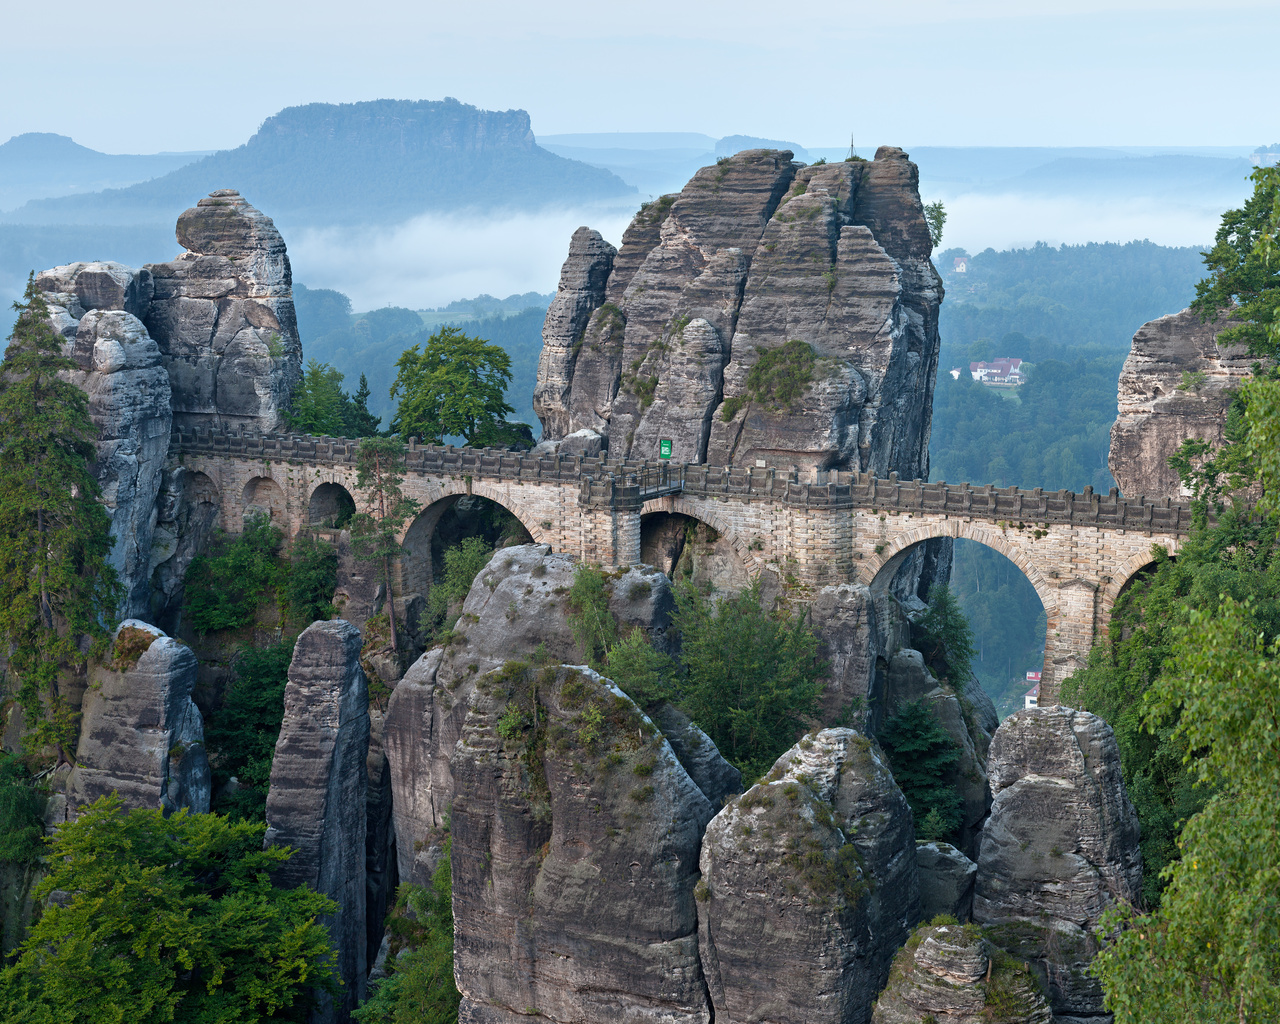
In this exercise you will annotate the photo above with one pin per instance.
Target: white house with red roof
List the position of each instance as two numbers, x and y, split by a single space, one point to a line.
998 371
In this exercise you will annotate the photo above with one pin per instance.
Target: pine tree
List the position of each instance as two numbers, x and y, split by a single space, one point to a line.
57 590
379 473
360 421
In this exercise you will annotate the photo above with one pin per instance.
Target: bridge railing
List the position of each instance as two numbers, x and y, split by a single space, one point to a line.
628 482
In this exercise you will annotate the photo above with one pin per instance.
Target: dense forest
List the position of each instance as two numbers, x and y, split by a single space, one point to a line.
1070 312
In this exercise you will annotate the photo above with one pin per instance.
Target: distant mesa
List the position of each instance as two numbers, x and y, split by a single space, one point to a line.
384 160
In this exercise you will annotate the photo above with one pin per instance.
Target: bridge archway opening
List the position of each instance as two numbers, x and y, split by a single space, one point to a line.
685 547
263 496
331 505
449 523
1003 606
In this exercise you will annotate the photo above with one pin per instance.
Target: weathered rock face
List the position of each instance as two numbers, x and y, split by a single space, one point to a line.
768 312
96 307
380 844
951 975
809 886
141 735
1155 417
222 314
317 799
575 857
1059 848
516 606
946 881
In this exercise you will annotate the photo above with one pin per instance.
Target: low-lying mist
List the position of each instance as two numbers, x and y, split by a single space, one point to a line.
433 259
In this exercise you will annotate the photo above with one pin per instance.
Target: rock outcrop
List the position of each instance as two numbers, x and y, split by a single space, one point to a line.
946 881
222 314
769 313
1173 386
575 856
516 607
950 974
1059 848
97 307
141 735
317 799
809 886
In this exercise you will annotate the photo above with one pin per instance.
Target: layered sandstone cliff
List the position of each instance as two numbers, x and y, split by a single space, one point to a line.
1175 385
770 313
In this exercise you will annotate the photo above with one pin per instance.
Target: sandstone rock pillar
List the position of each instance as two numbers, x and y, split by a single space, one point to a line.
1060 847
316 802
141 735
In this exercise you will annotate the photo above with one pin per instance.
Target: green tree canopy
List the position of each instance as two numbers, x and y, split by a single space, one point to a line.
750 676
166 919
56 586
455 387
384 509
319 405
1244 268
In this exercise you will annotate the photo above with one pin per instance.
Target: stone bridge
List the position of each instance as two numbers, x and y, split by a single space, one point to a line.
819 527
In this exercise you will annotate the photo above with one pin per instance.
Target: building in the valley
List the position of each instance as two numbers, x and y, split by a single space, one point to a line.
1031 698
961 265
1004 371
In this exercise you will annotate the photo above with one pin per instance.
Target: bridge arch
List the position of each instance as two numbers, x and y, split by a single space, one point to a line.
1130 569
654 511
436 501
330 504
878 570
262 493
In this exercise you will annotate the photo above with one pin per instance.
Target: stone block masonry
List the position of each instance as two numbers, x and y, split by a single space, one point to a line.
1078 550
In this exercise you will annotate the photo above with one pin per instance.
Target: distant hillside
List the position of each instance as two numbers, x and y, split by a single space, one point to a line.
376 162
40 165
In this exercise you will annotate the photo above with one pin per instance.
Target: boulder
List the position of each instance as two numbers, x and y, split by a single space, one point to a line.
222 314
946 881
950 974
1157 412
96 307
141 735
1059 848
316 802
517 606
574 856
809 886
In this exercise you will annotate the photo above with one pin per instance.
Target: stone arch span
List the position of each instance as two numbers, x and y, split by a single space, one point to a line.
266 494
751 563
330 504
435 499
1130 568
878 571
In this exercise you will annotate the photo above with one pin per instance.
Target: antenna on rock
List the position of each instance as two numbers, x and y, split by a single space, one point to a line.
853 152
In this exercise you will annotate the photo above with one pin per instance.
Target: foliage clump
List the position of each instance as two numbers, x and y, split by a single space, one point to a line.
130 645
241 734
320 407
923 756
462 564
165 919
419 988
777 380
21 813
945 638
313 577
224 587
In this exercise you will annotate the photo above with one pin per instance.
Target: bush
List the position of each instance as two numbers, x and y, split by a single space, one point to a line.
313 577
643 674
420 988
922 755
462 564
224 589
167 919
946 638
594 626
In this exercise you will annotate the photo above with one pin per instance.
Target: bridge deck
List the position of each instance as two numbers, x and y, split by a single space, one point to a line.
604 481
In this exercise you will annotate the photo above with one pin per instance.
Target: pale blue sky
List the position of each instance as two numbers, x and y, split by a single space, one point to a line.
939 72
